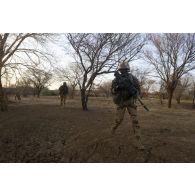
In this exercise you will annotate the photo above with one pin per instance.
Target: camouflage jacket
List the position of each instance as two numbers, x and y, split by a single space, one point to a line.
118 96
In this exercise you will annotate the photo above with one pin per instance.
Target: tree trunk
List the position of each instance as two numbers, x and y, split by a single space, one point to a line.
161 98
38 93
178 99
84 99
3 102
170 96
34 92
72 93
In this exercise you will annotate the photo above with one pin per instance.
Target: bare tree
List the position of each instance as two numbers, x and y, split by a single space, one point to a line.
148 85
105 88
182 85
97 54
13 48
192 92
162 91
142 74
172 56
24 86
38 78
193 101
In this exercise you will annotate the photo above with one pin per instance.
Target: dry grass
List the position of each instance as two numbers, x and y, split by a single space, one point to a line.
38 130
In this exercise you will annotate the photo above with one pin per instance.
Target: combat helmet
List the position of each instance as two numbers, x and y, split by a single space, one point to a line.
124 66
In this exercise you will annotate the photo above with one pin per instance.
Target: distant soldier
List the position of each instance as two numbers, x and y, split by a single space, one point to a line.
63 90
17 96
125 89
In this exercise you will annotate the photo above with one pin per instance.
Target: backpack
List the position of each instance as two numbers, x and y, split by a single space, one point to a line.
123 88
63 89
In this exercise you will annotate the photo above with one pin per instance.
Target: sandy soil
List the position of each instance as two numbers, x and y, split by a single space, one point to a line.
38 130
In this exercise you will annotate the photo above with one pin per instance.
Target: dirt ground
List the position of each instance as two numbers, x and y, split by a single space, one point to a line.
39 130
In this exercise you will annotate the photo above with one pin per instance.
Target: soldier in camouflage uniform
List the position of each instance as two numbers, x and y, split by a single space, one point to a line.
129 103
17 97
63 91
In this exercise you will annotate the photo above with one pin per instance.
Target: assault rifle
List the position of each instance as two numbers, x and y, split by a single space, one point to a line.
118 76
145 107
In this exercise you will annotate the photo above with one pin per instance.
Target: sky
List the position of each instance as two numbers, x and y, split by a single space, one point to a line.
63 59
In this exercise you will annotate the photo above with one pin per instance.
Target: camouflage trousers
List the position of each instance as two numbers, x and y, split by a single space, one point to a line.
63 100
131 107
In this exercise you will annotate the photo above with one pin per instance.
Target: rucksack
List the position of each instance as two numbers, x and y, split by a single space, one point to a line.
123 88
63 89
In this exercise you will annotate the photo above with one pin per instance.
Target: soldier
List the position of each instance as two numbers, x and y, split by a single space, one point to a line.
63 89
17 96
125 89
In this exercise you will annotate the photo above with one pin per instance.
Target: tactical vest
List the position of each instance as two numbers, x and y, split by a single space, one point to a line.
63 90
123 88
